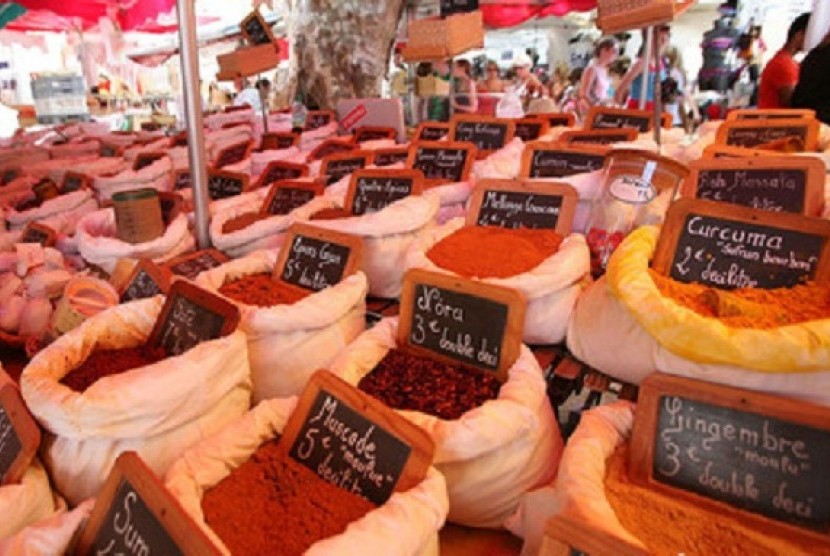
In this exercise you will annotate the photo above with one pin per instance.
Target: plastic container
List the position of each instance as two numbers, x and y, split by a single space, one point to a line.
138 215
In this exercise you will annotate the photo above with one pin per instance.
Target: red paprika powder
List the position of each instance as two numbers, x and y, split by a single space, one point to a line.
262 290
111 362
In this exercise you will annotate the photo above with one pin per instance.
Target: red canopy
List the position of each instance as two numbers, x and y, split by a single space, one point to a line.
63 15
515 12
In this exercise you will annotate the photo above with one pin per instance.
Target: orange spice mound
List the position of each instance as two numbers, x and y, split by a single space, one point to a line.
273 505
750 307
241 222
493 252
261 290
669 525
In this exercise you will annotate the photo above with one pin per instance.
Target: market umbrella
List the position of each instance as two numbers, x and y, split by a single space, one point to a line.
9 12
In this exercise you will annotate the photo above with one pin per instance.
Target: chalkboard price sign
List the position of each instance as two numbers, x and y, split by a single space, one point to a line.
461 321
330 147
191 265
38 233
381 453
286 196
279 140
771 114
256 30
552 160
450 7
223 184
314 258
135 514
190 316
778 184
752 133
19 436
336 166
280 170
74 181
182 179
109 151
372 133
513 204
147 280
388 157
431 131
442 162
599 137
761 453
529 129
143 160
318 118
729 247
600 117
487 134
556 119
373 190
233 154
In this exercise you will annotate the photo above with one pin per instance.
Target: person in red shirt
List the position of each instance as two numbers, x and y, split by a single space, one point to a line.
780 76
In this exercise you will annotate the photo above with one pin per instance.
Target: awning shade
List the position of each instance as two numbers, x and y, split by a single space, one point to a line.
515 12
63 15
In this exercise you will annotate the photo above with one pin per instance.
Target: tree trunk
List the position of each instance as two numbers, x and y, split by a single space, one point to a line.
340 48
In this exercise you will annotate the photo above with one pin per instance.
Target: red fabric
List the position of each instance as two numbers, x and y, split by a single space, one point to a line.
515 12
62 15
781 71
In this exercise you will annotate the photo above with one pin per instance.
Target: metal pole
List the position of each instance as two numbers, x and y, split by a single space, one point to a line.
649 37
658 97
193 118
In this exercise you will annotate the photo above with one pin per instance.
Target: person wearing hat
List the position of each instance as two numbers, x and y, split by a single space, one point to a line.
527 84
632 81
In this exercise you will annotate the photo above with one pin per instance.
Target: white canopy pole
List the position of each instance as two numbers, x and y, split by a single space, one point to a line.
193 118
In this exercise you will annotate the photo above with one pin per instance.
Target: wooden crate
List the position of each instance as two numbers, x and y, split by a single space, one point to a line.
614 16
436 39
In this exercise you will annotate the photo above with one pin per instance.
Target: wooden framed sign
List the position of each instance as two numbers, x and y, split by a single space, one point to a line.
19 436
390 156
314 258
442 161
779 184
142 160
288 195
488 134
381 452
771 114
541 159
171 206
711 444
373 133
75 181
727 246
256 30
190 265
516 204
223 184
146 280
38 233
318 118
602 117
567 534
337 166
450 7
555 119
182 179
331 146
135 514
752 133
461 321
431 131
233 154
279 140
722 151
375 189
279 170
530 129
599 136
190 316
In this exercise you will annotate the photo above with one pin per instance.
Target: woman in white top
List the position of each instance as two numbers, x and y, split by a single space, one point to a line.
595 88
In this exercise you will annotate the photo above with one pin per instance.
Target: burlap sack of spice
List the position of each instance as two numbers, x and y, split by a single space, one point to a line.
387 235
625 328
492 454
287 343
156 410
157 175
407 524
98 245
551 289
60 213
52 535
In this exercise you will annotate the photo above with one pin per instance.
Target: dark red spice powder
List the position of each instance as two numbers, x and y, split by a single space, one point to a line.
273 505
262 290
111 362
405 381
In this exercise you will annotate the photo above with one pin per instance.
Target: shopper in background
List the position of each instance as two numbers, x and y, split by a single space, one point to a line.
595 88
569 95
527 85
780 76
751 49
492 82
632 82
559 82
438 107
254 96
464 98
814 82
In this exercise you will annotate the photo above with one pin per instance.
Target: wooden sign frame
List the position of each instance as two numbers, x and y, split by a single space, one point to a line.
439 145
348 155
516 307
532 147
315 187
641 453
567 210
544 127
302 168
680 209
810 138
722 151
391 151
162 276
476 119
215 254
264 24
354 243
176 178
416 175
814 172
178 524
550 117
431 124
421 444
142 160
249 147
312 114
244 178
267 138
26 430
576 137
51 234
565 532
771 114
648 115
328 143
84 179
388 133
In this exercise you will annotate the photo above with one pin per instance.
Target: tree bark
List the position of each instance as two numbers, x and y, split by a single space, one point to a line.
340 48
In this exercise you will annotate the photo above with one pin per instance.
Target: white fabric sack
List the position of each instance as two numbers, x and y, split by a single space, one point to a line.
159 145
26 502
218 140
55 168
407 524
215 122
98 244
157 175
260 160
551 289
309 140
156 410
505 163
16 157
59 213
387 234
287 343
50 536
493 453
90 166
75 150
510 104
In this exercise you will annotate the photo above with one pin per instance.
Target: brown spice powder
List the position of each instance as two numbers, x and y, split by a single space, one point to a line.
261 290
111 362
273 505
